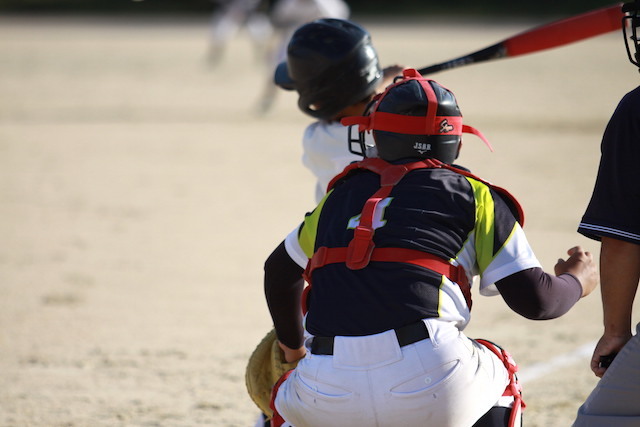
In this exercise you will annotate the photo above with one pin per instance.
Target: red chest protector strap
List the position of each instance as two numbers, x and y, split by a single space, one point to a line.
325 256
361 246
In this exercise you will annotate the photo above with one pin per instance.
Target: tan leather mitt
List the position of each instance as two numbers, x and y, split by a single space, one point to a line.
266 366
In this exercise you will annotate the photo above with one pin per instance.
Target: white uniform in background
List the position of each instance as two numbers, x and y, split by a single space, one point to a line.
286 16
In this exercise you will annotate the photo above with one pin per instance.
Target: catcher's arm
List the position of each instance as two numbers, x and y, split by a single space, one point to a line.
292 354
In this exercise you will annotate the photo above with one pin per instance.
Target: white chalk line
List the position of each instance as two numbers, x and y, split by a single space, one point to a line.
537 370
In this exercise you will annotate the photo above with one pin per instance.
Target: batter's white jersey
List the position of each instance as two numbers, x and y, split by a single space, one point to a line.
326 152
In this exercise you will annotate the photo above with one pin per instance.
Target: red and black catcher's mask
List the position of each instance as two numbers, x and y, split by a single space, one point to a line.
414 118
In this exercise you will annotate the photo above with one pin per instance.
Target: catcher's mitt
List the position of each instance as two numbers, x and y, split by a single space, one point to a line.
266 366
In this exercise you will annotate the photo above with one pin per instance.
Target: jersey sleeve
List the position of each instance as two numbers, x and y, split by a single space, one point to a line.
300 243
293 248
501 246
613 210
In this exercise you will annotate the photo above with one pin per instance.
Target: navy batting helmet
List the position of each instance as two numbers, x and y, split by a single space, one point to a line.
332 64
414 118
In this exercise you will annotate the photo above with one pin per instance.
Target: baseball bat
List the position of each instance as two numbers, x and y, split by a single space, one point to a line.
547 36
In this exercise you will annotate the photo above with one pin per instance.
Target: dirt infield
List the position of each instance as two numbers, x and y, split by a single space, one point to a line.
140 194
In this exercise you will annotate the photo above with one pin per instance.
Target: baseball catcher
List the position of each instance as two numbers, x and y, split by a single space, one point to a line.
389 255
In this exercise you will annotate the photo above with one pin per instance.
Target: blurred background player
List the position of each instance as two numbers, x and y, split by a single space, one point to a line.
613 217
389 254
334 67
269 25
229 17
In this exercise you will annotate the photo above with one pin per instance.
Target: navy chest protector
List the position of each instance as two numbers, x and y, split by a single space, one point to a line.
362 250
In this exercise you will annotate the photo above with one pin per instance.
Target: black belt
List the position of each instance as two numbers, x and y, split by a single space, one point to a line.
406 335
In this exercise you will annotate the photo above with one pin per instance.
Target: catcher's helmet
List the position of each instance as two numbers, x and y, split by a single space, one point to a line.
332 64
630 24
414 118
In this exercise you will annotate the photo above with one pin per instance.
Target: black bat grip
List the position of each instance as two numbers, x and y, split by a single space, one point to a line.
495 51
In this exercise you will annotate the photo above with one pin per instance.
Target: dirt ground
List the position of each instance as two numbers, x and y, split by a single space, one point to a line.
140 193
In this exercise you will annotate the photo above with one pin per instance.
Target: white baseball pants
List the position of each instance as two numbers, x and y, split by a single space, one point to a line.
445 380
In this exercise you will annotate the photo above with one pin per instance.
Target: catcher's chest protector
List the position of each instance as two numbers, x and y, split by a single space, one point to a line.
362 250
